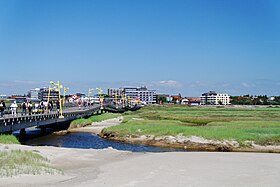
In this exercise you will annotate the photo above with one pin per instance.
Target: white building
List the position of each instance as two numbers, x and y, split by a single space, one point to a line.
112 92
34 93
142 93
3 97
213 98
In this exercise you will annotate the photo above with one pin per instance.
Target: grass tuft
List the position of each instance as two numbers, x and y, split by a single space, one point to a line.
16 162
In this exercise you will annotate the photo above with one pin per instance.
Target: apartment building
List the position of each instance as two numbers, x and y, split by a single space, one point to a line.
112 92
213 98
34 94
141 93
44 93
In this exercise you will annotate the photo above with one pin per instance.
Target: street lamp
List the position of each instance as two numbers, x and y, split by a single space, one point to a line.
89 94
59 86
65 89
100 91
116 100
123 100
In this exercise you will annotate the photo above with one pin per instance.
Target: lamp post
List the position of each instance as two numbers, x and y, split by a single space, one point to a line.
89 94
116 100
59 86
100 91
129 102
65 89
49 93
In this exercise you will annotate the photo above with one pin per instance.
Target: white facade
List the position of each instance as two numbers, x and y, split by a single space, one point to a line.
213 98
34 93
141 93
112 92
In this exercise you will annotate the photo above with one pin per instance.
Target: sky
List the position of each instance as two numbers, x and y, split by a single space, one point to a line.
179 46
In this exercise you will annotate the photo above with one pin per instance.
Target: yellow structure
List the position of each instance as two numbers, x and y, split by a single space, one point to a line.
89 93
58 86
116 100
100 91
65 89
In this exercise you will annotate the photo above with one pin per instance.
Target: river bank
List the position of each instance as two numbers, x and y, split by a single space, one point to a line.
192 143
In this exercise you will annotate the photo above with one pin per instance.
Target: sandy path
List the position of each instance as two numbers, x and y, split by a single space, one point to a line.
97 127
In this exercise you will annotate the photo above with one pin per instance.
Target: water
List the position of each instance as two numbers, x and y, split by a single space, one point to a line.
90 141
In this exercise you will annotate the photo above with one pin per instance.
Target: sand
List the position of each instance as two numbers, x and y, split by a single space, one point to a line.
96 127
109 167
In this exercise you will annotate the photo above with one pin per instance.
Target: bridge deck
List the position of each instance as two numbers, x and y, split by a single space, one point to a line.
11 123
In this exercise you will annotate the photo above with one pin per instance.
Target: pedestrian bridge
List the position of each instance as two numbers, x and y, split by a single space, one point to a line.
52 119
10 123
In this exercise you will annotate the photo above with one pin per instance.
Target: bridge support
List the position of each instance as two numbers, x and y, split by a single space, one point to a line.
43 130
22 135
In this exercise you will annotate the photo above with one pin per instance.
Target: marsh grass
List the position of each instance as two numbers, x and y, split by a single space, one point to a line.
8 139
261 125
16 162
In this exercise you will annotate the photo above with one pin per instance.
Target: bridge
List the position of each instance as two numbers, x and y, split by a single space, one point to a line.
52 119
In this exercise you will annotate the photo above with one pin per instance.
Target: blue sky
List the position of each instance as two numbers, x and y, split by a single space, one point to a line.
179 46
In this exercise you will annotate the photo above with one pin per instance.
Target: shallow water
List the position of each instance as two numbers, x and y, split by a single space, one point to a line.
89 141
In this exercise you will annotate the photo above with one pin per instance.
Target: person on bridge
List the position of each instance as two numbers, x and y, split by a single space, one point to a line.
23 105
14 108
2 108
58 106
29 106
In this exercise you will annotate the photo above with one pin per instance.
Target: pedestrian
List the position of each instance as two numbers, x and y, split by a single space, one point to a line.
79 103
36 108
2 108
23 105
14 108
51 105
58 106
29 106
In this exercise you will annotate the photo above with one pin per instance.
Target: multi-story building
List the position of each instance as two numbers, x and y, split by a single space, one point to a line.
141 93
112 92
33 94
213 98
44 93
3 97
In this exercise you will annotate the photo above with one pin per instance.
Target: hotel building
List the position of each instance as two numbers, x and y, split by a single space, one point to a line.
213 98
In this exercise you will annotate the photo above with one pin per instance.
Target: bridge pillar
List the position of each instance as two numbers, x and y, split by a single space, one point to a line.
43 130
22 135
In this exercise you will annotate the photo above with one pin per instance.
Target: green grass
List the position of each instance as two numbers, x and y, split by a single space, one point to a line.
94 118
8 139
261 125
16 162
